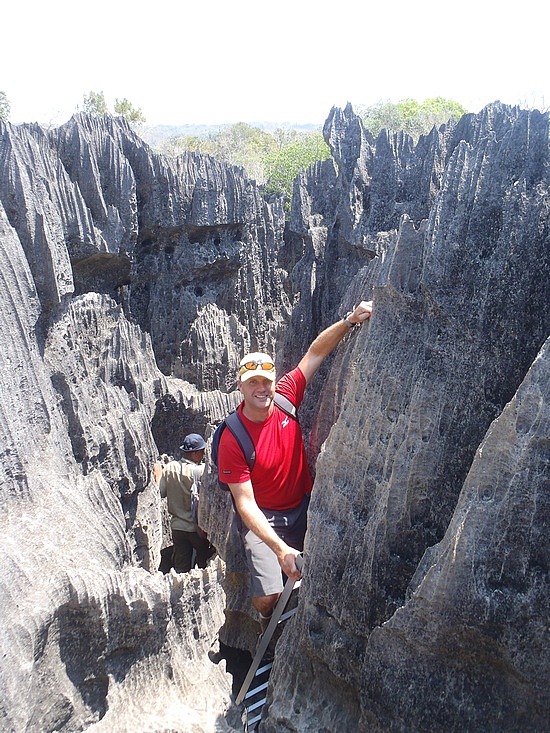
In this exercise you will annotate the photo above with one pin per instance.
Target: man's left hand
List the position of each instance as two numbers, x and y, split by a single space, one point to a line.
361 312
288 564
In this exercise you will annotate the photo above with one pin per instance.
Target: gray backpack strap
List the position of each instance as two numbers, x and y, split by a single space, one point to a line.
195 486
195 494
285 404
242 436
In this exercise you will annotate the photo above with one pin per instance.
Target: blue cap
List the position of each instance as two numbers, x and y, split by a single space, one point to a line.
192 442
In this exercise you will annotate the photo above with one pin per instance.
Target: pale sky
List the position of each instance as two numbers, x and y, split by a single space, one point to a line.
216 61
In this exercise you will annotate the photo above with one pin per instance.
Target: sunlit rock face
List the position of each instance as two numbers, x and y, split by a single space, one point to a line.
131 284
94 636
426 580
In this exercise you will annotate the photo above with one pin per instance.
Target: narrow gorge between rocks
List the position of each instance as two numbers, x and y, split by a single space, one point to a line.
131 284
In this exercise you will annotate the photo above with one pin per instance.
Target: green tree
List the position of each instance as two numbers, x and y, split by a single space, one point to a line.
272 160
239 144
175 146
283 164
284 136
245 146
410 116
126 109
5 107
436 111
95 104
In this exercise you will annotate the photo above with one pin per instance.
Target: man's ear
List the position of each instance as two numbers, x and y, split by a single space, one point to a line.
240 386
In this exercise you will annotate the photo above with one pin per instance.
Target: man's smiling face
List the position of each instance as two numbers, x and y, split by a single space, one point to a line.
258 392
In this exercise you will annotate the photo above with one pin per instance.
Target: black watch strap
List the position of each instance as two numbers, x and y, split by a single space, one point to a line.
347 321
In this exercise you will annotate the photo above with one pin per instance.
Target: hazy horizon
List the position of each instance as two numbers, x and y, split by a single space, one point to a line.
217 63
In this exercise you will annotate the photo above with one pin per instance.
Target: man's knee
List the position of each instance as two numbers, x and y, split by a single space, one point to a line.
265 604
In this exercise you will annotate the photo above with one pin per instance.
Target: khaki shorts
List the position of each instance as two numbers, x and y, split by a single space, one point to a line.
266 576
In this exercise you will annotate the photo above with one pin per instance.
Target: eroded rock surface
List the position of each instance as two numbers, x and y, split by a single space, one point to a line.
461 312
130 284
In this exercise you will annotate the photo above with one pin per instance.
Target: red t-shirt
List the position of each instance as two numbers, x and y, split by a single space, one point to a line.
280 476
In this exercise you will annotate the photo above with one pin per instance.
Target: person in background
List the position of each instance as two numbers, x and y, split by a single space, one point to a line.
177 480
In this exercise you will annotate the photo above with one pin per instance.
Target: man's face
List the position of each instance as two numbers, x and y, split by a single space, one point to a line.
258 392
196 456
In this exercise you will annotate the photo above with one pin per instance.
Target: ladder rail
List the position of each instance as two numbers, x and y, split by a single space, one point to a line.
266 637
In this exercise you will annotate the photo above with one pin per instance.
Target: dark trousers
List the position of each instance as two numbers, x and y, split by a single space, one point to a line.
184 544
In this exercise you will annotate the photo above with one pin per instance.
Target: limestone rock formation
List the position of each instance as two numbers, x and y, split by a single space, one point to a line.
131 283
460 314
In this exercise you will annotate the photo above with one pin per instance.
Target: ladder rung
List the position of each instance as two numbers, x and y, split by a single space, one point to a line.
256 704
250 693
287 615
263 669
255 720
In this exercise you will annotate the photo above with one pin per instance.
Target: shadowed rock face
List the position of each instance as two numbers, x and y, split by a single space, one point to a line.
131 284
413 525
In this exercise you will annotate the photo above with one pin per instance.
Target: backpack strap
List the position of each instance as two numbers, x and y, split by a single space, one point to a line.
242 436
195 487
195 495
284 404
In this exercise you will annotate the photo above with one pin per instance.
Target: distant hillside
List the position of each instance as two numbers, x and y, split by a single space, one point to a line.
155 135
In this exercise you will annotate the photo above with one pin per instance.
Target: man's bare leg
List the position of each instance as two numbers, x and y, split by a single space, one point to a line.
265 604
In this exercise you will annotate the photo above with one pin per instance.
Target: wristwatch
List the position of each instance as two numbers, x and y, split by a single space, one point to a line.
347 321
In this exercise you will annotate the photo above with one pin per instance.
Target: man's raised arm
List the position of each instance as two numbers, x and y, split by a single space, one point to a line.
329 339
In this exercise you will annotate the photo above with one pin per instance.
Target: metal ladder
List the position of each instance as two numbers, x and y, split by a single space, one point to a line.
254 698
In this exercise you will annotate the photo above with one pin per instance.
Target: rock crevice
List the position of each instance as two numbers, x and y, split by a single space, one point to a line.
130 286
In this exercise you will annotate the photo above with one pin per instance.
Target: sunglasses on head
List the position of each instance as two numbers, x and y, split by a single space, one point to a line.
250 366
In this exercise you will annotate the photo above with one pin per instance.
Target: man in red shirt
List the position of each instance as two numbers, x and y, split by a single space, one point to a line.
272 499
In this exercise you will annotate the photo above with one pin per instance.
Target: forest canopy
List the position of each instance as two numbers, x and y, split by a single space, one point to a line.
274 159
